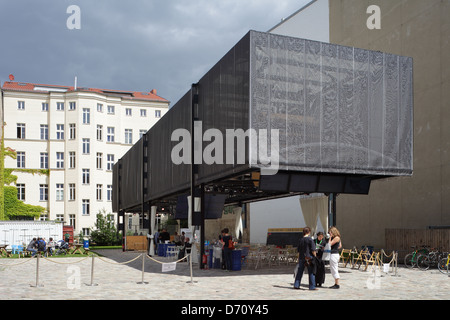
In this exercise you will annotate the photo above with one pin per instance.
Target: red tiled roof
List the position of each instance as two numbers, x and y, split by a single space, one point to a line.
131 95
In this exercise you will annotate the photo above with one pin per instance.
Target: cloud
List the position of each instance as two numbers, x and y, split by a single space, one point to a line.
130 45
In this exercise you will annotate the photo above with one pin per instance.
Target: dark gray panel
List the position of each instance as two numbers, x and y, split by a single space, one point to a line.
131 176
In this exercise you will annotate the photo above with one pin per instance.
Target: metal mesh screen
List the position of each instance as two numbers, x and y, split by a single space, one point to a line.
338 109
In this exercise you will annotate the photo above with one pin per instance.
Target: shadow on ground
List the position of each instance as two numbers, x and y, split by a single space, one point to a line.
183 269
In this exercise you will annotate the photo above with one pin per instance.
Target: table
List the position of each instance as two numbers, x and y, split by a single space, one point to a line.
77 248
3 250
162 248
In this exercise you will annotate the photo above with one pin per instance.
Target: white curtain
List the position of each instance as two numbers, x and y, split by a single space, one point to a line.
152 222
238 226
312 209
323 212
197 208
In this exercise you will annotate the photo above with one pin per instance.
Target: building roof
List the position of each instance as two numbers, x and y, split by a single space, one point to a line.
45 88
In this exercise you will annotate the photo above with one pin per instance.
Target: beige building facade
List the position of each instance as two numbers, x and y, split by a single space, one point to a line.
421 30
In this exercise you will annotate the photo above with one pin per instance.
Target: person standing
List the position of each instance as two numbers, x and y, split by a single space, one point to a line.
307 253
320 243
227 252
335 243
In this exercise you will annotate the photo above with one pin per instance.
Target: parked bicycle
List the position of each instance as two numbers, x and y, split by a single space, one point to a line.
443 264
429 260
411 258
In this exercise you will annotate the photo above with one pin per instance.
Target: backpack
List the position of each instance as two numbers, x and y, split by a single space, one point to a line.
41 245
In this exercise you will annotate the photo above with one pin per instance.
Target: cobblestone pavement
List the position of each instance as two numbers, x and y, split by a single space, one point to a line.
69 278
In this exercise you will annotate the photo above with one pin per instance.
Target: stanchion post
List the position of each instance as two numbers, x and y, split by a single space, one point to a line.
92 284
38 256
143 269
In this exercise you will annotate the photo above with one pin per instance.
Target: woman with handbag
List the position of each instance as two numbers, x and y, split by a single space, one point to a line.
336 244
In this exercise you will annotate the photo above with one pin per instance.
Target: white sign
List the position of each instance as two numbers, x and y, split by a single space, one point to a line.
167 267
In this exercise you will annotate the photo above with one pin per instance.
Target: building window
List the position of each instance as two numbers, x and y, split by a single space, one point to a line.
60 217
99 132
60 132
128 136
21 131
111 110
72 160
72 105
44 132
109 188
71 191
43 192
86 146
99 160
20 159
21 105
72 131
59 192
110 162
157 113
86 232
143 113
44 160
72 220
60 160
60 106
142 132
86 116
99 107
20 191
86 176
128 112
110 134
44 106
99 192
85 207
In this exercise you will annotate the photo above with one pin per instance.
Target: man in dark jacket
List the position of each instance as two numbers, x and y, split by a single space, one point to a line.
307 253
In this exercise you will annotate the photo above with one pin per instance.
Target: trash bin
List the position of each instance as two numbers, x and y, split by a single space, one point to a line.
236 260
86 244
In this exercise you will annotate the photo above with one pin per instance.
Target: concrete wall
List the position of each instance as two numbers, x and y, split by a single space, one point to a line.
419 29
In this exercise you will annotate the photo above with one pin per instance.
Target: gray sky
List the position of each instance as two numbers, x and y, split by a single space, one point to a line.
136 45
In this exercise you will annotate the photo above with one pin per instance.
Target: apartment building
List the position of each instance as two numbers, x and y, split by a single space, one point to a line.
75 135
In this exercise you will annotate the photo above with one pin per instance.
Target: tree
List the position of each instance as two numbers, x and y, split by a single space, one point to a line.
105 233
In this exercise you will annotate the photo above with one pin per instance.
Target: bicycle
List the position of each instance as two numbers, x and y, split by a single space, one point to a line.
411 258
443 264
425 261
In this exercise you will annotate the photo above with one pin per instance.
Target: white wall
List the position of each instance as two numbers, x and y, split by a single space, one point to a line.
278 213
310 23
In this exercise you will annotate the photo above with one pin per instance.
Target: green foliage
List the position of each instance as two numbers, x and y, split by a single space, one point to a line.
105 233
10 207
15 208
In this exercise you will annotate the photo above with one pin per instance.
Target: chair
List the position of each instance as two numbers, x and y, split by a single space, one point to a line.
292 255
171 252
360 258
372 259
346 255
244 253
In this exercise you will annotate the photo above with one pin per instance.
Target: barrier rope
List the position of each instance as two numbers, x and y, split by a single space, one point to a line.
162 262
394 256
71 262
119 263
15 264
